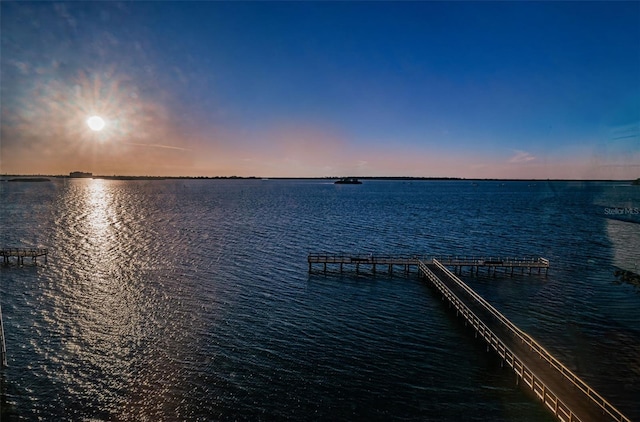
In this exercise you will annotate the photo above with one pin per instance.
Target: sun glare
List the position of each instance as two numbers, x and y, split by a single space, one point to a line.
95 123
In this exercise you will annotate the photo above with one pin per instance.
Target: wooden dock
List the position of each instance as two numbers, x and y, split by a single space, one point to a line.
495 264
21 253
565 394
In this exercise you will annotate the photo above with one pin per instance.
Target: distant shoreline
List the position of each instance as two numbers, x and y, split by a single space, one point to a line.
6 177
29 179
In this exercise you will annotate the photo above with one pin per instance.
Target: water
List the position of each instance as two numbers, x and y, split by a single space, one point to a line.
191 299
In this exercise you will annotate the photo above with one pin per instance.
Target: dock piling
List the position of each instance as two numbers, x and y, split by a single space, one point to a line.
3 346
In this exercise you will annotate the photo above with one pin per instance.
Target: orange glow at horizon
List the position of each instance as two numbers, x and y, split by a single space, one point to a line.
62 126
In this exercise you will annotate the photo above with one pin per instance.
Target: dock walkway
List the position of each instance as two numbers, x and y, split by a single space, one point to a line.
565 394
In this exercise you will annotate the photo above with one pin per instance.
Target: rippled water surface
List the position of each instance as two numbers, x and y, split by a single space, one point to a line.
191 299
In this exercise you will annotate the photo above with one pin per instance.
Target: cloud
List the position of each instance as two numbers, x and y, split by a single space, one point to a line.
157 146
63 13
521 157
22 66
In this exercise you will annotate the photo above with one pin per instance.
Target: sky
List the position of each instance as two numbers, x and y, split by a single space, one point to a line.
322 89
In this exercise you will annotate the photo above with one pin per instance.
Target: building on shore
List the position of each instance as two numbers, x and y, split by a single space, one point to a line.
77 174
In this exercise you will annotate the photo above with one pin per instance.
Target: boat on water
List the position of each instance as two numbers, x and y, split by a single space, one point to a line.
348 181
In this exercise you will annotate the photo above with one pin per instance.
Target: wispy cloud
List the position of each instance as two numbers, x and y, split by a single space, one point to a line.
157 146
620 165
521 157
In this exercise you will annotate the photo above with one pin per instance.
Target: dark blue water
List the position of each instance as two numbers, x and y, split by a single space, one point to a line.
191 299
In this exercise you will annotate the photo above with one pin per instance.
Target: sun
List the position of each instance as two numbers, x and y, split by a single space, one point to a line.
96 123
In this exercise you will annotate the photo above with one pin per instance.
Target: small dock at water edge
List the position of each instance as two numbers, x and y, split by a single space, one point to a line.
21 253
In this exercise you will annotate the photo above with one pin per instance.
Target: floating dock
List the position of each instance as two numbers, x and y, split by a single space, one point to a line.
565 394
21 253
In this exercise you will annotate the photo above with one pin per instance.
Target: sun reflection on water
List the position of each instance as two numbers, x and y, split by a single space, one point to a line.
103 309
121 329
100 212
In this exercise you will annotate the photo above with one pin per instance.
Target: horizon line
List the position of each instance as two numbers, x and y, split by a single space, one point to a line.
234 177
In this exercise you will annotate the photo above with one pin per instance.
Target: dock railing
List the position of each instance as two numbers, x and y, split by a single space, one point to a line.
541 351
23 252
337 258
408 259
469 261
